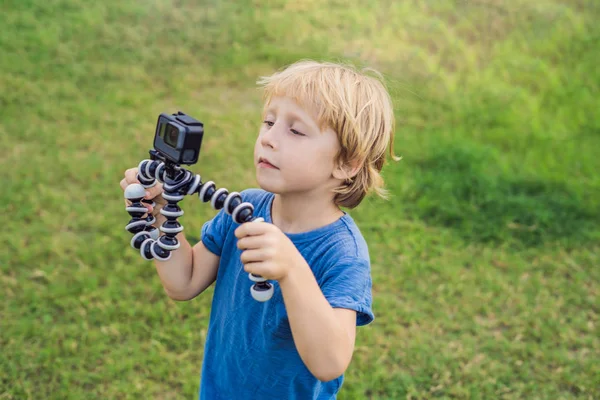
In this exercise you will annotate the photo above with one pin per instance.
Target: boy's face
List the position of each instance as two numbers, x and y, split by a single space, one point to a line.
291 154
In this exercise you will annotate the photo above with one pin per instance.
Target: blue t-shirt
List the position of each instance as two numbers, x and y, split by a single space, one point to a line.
249 351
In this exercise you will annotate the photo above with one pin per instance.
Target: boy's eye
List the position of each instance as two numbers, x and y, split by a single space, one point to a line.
269 123
295 132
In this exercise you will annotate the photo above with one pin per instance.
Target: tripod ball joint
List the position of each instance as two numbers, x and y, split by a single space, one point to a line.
150 171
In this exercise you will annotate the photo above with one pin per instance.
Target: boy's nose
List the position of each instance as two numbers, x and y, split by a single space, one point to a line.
268 137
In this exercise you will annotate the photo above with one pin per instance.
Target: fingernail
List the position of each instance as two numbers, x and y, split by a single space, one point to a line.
147 194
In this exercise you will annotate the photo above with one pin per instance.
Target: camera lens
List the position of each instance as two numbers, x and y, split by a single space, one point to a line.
171 135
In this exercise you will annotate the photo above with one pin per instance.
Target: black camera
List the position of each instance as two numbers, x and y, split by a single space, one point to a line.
178 138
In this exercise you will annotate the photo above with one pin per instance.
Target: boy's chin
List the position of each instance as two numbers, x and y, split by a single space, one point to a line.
273 187
266 185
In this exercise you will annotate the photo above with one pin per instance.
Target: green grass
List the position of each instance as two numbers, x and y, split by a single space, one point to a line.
485 262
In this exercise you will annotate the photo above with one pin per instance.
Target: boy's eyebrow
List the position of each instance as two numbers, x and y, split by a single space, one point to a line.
309 121
294 116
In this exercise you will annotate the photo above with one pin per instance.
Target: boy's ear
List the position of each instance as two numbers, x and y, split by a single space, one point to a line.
347 171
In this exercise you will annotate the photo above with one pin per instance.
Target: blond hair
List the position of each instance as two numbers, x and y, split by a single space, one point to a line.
356 105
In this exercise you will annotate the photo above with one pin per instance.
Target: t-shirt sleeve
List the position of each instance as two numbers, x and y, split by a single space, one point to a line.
214 232
347 284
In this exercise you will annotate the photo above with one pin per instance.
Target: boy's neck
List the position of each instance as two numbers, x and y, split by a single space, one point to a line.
297 213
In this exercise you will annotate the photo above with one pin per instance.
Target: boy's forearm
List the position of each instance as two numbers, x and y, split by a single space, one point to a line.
176 273
322 342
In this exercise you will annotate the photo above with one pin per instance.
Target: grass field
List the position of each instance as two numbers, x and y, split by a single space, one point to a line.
486 261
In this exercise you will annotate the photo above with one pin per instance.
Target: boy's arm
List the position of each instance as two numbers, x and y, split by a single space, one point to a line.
323 335
189 271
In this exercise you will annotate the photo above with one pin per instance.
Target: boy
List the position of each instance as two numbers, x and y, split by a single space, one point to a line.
321 146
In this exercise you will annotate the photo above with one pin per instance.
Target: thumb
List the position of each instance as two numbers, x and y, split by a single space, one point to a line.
154 193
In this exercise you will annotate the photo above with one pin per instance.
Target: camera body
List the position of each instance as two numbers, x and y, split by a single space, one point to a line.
178 138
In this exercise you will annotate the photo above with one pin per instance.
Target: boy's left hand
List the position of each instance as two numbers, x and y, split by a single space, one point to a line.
268 252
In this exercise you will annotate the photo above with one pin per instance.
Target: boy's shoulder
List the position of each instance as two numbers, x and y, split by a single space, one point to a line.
345 238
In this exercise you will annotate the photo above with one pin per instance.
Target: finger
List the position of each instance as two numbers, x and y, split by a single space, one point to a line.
251 229
249 242
256 268
154 192
148 204
131 175
252 256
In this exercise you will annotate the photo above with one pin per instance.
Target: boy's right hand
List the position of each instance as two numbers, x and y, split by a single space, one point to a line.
153 194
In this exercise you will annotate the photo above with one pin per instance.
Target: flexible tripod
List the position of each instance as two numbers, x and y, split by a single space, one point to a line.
177 183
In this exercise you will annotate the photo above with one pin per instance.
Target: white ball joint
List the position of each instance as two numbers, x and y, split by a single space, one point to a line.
134 191
260 292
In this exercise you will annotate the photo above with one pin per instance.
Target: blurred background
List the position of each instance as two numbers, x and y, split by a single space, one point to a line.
485 260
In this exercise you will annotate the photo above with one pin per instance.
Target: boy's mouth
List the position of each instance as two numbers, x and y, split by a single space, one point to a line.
264 163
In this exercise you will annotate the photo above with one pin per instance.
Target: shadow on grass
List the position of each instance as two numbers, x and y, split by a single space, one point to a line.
454 190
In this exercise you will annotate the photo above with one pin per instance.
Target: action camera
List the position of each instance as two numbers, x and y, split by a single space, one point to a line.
178 138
